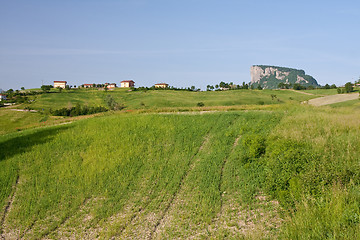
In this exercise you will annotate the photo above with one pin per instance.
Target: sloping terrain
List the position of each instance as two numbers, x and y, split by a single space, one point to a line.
261 174
333 99
133 177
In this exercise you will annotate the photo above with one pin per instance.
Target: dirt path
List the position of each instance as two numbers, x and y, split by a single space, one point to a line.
333 99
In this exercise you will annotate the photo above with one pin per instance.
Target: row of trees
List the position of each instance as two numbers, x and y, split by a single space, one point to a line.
191 89
78 110
226 86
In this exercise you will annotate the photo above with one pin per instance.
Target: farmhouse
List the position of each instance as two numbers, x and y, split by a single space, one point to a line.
110 85
161 85
127 83
2 97
61 84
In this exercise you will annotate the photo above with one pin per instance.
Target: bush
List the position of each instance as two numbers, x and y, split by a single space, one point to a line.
200 104
112 104
78 110
349 87
285 161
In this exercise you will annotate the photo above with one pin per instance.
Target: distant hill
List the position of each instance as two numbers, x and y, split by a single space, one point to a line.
270 76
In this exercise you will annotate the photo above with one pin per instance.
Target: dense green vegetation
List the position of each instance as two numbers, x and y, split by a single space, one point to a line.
284 172
78 110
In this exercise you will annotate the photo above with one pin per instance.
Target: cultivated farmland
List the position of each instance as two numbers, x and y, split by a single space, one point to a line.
288 172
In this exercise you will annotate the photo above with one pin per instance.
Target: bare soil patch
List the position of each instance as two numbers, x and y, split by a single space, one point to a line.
333 99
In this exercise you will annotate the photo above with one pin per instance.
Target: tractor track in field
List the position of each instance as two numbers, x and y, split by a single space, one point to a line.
62 222
137 213
27 230
222 176
8 207
192 164
133 217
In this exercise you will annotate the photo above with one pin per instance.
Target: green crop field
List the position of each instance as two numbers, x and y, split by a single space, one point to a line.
165 98
145 101
285 172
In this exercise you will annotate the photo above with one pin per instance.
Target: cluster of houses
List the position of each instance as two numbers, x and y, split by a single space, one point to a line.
123 84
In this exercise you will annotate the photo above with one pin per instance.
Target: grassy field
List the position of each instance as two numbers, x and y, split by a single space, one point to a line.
323 92
281 170
149 101
288 174
165 98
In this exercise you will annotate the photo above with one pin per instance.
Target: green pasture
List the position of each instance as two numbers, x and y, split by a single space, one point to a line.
11 120
288 174
165 98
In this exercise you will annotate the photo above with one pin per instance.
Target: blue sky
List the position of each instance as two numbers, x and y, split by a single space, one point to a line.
182 43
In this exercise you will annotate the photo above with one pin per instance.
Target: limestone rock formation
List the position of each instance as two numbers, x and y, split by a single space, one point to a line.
270 76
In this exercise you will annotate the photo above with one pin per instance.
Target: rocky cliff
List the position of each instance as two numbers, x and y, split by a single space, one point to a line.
270 76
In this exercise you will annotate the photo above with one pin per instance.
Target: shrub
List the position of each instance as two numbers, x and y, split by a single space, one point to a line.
285 161
349 87
200 104
78 110
112 104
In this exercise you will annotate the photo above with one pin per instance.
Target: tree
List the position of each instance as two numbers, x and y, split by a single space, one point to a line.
333 86
192 88
22 88
46 88
216 86
327 86
259 87
60 89
349 87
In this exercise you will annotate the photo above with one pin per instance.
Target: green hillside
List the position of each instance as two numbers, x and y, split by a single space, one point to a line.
144 101
164 98
235 168
216 175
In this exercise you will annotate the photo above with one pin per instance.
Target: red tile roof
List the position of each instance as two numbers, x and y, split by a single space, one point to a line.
128 81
